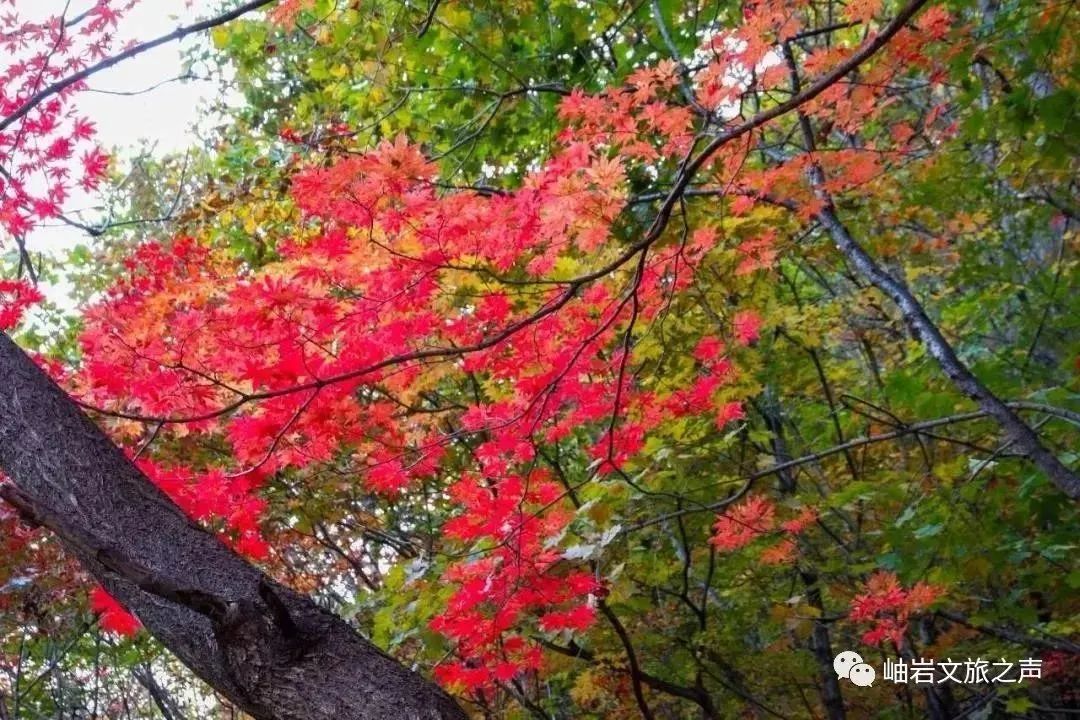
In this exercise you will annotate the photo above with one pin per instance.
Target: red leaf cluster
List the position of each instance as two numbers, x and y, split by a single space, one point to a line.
332 355
48 152
15 297
888 606
111 614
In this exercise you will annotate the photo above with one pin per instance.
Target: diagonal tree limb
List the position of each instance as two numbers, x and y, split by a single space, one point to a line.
687 171
925 331
922 328
1058 644
177 34
272 651
915 428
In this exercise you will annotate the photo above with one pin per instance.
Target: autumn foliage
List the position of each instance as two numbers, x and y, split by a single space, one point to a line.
392 275
50 150
498 368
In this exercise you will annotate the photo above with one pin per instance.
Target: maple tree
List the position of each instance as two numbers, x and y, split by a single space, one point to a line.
563 423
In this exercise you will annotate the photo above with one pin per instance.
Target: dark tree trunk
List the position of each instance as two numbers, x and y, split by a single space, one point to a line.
270 650
820 644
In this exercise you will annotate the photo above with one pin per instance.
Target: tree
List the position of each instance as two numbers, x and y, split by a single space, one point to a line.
268 649
503 396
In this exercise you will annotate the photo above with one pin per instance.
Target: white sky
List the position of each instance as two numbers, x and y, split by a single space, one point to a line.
162 116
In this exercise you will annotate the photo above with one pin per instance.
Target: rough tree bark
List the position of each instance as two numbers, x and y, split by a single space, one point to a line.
268 649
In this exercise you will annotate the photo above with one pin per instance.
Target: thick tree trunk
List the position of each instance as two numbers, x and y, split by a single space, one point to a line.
270 650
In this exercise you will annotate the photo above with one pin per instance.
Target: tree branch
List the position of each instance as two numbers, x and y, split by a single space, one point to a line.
1017 638
177 34
913 428
687 171
922 328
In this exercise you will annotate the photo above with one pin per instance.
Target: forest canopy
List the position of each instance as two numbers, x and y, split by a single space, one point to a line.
615 359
